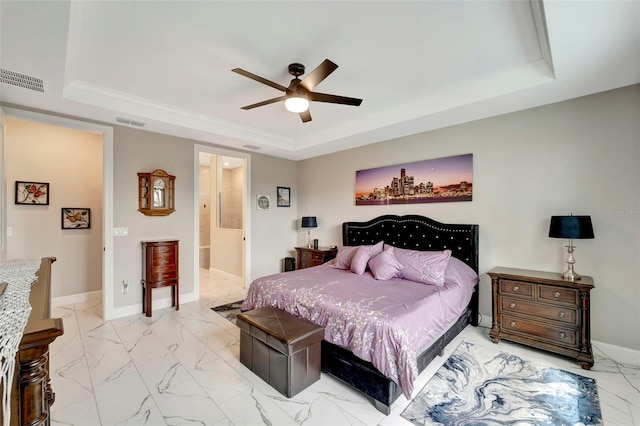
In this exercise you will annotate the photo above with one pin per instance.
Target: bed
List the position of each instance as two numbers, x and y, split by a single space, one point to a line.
383 346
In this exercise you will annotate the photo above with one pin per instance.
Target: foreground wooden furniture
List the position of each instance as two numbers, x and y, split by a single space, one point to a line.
543 310
308 257
159 269
31 395
282 349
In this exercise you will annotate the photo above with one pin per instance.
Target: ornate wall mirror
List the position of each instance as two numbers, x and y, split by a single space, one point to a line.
156 193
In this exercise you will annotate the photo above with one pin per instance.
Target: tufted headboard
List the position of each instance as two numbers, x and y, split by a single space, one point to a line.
416 233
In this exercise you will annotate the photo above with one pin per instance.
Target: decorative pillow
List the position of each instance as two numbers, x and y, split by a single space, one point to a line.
362 256
344 256
426 267
385 265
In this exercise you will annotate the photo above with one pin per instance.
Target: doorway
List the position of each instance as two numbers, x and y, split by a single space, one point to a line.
107 286
221 226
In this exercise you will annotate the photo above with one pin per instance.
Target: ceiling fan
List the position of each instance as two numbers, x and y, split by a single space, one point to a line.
300 92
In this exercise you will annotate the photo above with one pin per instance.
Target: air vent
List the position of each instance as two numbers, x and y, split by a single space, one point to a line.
130 122
254 147
19 79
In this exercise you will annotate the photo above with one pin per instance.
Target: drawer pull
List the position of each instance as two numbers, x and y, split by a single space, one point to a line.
516 288
512 324
556 294
513 305
562 315
562 335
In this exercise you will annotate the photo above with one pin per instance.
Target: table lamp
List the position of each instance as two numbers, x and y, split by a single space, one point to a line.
571 227
309 222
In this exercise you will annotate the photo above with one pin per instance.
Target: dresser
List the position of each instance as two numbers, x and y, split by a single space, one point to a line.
31 392
159 269
543 310
308 257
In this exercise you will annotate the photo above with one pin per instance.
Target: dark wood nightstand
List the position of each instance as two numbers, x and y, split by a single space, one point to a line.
308 257
543 310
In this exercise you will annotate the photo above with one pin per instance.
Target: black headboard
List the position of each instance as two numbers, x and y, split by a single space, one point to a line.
416 233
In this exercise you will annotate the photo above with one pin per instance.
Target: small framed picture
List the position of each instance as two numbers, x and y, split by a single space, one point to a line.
76 218
263 202
32 193
284 196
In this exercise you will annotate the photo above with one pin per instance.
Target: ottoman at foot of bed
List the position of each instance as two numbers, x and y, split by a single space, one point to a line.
280 348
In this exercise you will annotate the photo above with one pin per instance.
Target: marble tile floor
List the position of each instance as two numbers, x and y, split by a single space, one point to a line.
181 368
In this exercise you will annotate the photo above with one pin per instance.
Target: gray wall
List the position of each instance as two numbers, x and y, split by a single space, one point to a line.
580 156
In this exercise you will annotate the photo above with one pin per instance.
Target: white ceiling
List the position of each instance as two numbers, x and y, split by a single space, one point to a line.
417 65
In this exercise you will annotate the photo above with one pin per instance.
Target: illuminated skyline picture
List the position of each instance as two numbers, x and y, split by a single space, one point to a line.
429 181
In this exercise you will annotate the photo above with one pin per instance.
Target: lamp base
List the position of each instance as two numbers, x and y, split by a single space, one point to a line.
570 275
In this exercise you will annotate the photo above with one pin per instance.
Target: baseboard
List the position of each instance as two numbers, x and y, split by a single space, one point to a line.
159 303
618 353
76 298
123 311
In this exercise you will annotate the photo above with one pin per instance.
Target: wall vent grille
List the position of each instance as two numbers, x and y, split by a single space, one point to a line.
130 122
19 79
254 147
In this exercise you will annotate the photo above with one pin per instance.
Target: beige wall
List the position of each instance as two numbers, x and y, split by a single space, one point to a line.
273 231
580 156
205 207
71 162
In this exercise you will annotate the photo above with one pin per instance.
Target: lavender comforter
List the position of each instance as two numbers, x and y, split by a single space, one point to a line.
386 323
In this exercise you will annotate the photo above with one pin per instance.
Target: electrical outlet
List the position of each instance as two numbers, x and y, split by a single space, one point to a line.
125 286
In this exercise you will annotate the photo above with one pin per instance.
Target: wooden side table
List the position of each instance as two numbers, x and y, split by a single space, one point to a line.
159 269
308 257
543 310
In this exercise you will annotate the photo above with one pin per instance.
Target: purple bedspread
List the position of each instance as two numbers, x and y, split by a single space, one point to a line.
384 322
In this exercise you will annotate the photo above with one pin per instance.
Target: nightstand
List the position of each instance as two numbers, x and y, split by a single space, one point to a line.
543 310
308 257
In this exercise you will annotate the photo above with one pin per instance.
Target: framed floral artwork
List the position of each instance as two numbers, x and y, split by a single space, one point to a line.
32 193
76 218
284 196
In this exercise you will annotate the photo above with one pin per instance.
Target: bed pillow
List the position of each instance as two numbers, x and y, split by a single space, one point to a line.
343 258
459 272
385 266
362 256
426 267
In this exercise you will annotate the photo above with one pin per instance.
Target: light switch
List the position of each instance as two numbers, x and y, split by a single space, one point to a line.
120 232
9 231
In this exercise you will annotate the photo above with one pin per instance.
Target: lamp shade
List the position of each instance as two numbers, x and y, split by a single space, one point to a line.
309 222
572 227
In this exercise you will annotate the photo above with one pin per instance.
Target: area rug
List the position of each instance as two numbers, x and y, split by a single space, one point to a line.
229 311
479 385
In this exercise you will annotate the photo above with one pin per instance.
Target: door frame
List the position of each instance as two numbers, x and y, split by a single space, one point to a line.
246 247
107 190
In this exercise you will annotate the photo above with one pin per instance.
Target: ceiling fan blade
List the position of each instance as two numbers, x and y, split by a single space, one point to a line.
263 103
321 72
305 116
260 79
333 99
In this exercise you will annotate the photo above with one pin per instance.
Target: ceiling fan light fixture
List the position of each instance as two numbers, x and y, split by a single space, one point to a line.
297 103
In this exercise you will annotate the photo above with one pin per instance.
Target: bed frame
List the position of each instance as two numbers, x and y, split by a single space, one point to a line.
415 233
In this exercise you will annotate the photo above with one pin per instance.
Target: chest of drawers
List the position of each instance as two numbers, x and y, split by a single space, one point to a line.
308 257
542 310
159 269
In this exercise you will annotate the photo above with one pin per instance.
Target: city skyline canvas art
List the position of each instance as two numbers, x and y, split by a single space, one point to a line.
428 181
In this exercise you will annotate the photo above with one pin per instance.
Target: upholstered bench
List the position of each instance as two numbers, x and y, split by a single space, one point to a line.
282 349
